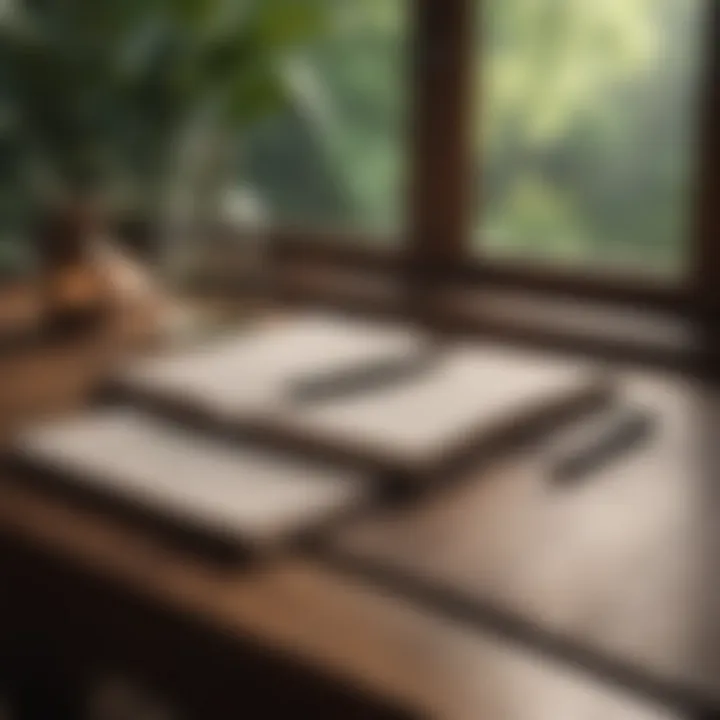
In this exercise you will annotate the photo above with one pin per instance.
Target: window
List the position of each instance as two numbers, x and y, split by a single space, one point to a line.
590 151
337 160
586 128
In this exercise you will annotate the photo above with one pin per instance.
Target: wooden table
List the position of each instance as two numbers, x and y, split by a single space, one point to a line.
616 572
83 596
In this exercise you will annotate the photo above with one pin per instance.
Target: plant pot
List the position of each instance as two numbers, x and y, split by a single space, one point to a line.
74 298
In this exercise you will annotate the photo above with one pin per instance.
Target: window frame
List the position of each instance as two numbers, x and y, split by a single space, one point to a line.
436 242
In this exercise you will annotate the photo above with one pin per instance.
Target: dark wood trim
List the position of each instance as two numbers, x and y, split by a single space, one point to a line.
643 292
455 319
440 193
337 249
686 360
707 206
363 255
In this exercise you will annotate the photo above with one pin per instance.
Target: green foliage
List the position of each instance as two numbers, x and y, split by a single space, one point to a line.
534 212
593 104
94 95
336 158
584 128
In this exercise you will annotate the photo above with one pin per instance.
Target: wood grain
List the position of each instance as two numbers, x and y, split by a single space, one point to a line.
468 396
381 646
105 595
617 573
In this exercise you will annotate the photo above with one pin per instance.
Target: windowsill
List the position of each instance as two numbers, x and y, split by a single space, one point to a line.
627 333
591 327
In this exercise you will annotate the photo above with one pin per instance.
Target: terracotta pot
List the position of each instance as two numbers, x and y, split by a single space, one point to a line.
73 292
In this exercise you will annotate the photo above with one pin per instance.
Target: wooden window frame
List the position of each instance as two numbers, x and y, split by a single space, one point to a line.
706 236
438 234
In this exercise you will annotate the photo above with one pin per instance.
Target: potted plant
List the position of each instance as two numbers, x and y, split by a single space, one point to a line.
117 106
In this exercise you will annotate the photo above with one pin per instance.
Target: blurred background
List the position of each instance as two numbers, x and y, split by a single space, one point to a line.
536 173
279 113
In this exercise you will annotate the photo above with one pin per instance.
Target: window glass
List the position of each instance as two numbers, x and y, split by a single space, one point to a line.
336 159
585 131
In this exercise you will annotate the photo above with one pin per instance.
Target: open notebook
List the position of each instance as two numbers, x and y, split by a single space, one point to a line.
421 409
210 495
216 445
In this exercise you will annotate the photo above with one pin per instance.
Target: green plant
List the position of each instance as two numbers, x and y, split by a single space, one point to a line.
104 97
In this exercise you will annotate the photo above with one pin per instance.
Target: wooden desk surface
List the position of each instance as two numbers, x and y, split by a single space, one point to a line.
617 572
381 644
